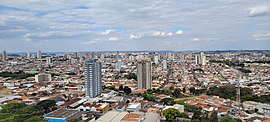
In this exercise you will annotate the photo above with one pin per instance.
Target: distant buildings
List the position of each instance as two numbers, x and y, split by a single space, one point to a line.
203 59
39 54
93 82
4 56
200 59
118 65
156 58
48 60
28 55
43 77
164 64
144 77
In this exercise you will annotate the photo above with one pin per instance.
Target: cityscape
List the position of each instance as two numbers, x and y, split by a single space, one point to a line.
134 61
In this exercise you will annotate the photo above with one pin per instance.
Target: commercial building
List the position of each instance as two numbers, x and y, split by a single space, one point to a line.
68 115
93 82
116 116
43 77
144 77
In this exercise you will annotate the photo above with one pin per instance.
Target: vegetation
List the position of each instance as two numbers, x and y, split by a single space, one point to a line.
171 114
121 88
229 92
16 75
190 108
19 112
214 117
197 91
167 101
229 62
127 90
131 76
148 96
228 119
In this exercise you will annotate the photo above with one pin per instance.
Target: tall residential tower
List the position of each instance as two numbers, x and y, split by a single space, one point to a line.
93 82
144 77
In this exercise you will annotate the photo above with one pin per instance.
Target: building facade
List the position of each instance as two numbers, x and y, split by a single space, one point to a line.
144 77
93 82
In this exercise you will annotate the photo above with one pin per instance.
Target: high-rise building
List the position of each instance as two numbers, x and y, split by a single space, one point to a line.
28 55
4 56
118 65
164 64
48 60
93 82
203 59
39 54
156 58
144 77
197 59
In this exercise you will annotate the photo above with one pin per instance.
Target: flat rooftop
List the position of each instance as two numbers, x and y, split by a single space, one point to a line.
62 113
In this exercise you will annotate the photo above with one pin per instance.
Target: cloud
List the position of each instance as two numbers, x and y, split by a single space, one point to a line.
65 22
135 36
259 10
162 34
113 39
106 32
27 37
179 32
166 43
195 40
264 36
91 42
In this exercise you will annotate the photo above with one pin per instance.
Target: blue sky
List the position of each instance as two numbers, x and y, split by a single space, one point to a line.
101 25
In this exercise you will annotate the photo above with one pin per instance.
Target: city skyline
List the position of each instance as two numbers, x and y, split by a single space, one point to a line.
69 26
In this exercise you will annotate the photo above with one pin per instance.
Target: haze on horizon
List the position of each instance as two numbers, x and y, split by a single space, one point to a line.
101 25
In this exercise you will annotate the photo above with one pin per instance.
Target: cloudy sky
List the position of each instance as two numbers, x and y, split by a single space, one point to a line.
101 25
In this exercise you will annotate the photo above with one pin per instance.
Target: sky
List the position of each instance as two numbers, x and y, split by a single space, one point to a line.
123 25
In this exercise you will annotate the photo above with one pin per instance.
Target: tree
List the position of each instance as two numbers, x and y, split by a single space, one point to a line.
171 114
171 88
177 92
12 107
167 101
184 115
214 117
197 115
191 90
166 91
227 118
127 90
184 90
46 104
121 88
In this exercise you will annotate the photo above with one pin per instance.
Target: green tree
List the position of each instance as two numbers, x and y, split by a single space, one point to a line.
177 93
184 90
184 115
191 90
127 90
12 107
121 88
214 117
227 118
171 114
167 101
46 105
